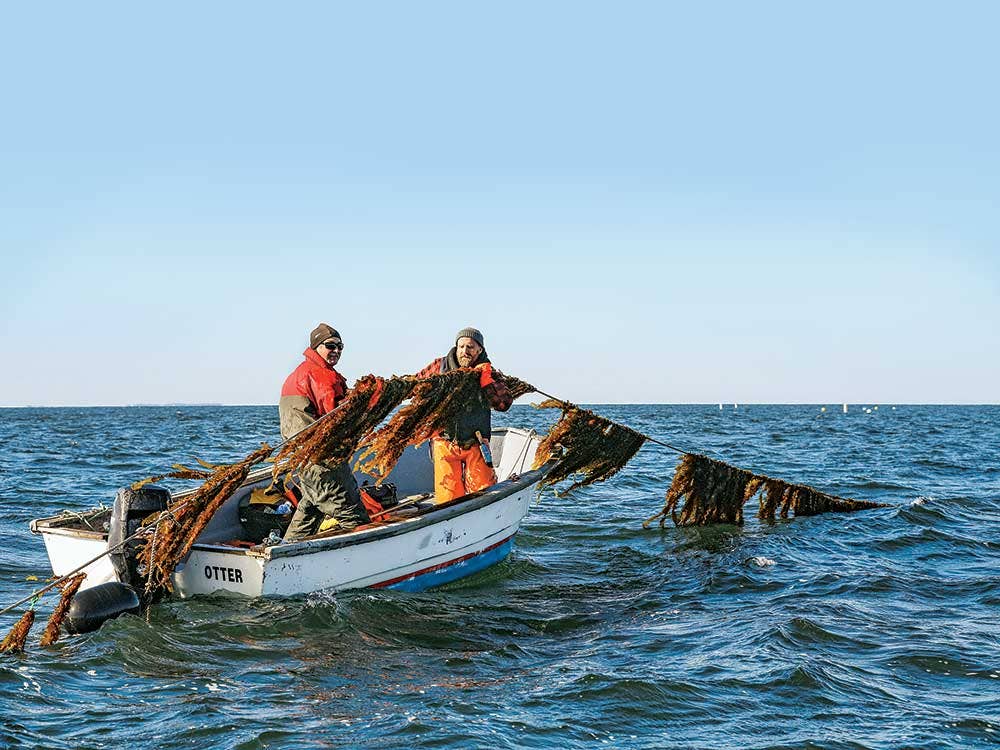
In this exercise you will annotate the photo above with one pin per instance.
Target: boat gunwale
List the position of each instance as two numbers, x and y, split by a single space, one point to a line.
446 511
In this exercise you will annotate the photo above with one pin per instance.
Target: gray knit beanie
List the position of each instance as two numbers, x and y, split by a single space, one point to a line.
473 333
321 333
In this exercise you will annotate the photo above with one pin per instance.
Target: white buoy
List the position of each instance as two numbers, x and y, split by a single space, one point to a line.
736 406
720 407
845 408
875 408
822 408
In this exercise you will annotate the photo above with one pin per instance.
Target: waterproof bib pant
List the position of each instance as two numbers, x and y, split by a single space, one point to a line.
458 471
326 492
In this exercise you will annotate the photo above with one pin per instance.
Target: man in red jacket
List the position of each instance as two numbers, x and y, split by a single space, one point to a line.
313 389
459 466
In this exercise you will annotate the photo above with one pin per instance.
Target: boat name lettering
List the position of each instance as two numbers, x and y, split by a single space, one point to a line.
215 573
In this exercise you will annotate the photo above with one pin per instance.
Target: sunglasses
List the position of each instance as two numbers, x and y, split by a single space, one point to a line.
334 345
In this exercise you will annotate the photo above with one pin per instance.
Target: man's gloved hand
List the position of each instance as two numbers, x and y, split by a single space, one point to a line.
485 374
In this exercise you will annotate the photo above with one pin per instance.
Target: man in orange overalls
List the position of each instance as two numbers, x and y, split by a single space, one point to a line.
459 466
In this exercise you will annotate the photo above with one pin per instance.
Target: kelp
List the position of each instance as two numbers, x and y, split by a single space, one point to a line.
178 527
179 472
516 386
804 501
334 439
586 444
18 635
435 402
69 588
715 492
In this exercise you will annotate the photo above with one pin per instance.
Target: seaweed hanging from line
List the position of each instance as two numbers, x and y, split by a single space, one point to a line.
804 501
177 528
18 635
586 444
69 588
435 402
516 386
336 437
715 492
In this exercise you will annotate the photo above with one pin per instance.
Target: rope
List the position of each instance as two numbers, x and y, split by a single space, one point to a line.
647 437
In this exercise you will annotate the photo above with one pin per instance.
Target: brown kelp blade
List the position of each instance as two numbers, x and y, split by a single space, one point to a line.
69 589
435 402
804 501
336 437
516 386
180 472
715 492
18 635
586 444
179 526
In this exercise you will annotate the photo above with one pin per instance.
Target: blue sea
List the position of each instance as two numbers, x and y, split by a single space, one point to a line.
878 629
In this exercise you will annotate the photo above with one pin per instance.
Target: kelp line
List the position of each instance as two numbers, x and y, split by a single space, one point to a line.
16 639
715 492
585 444
434 403
177 528
581 442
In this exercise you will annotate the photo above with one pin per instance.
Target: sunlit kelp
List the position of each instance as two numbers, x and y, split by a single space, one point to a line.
178 527
516 386
715 492
18 635
69 588
435 402
804 501
586 444
335 438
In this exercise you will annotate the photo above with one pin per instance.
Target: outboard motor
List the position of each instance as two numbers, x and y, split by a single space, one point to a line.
130 509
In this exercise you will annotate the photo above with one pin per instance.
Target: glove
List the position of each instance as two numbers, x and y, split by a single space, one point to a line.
485 374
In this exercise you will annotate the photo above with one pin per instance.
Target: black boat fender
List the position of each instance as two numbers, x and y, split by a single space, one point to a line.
92 607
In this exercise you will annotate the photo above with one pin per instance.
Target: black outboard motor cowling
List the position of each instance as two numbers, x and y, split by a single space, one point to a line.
130 508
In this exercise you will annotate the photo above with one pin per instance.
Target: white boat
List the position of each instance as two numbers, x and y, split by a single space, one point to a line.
427 546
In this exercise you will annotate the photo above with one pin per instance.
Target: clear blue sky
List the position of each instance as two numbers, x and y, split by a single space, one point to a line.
636 202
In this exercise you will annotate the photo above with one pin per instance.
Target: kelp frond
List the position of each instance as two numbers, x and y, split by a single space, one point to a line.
435 402
179 526
69 588
18 635
804 501
179 472
586 444
335 438
715 492
516 386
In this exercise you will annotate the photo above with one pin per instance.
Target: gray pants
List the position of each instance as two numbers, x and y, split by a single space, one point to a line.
326 491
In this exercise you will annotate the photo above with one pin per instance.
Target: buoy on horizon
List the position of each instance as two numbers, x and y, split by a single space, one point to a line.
822 408
845 408
720 407
736 406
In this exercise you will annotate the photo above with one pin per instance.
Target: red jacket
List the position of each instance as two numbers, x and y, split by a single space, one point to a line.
317 381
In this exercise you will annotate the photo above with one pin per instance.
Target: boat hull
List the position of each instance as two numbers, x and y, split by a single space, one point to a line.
436 545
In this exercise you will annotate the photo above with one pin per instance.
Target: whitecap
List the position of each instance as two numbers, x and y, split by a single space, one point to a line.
762 562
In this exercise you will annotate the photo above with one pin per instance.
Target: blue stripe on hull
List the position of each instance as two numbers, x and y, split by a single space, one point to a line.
456 571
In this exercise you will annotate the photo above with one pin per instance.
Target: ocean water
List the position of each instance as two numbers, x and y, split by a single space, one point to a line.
878 629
